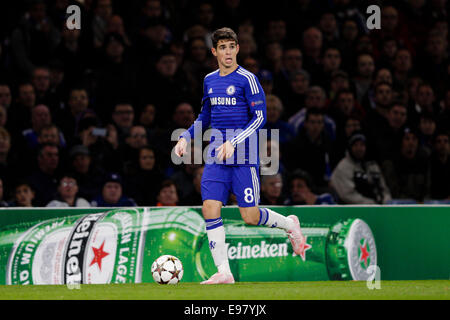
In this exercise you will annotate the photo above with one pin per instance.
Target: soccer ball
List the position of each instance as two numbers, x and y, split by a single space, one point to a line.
167 269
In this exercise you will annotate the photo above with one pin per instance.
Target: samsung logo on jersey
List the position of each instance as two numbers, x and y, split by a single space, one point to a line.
223 101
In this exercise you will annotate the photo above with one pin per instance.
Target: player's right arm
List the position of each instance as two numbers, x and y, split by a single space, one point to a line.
201 123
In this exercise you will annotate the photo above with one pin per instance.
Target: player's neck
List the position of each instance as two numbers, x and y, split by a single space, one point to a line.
224 71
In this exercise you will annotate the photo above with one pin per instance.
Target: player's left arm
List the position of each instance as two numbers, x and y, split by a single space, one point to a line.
256 100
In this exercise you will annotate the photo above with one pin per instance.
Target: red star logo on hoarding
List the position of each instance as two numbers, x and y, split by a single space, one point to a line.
99 254
306 247
364 253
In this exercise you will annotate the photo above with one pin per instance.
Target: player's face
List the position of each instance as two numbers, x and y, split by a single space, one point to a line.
226 53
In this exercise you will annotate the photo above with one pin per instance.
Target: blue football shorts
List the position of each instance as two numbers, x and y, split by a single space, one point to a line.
218 180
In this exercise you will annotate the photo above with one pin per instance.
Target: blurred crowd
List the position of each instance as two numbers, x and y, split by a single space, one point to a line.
86 116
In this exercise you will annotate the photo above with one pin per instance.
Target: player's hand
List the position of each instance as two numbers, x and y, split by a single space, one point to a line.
225 151
180 147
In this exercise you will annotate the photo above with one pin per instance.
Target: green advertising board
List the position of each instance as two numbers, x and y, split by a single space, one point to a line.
100 245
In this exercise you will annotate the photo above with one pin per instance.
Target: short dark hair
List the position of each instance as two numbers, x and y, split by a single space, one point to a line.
168 183
382 83
397 103
301 175
223 34
313 111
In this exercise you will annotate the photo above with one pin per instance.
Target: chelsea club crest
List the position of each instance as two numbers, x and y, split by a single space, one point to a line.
231 90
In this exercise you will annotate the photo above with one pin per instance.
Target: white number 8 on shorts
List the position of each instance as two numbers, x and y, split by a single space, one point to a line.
248 192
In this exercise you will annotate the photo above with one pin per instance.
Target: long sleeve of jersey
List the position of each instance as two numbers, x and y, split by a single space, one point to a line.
256 100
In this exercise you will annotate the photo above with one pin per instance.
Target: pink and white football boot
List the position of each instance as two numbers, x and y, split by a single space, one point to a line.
296 237
220 278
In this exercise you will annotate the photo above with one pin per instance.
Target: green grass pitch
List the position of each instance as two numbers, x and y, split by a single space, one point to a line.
323 290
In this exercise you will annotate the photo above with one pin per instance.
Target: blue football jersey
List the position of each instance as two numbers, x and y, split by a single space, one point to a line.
234 107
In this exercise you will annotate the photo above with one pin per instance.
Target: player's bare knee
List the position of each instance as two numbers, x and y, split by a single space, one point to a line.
211 209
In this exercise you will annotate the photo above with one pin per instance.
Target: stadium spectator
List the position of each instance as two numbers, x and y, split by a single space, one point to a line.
294 97
52 135
77 107
111 194
312 42
195 67
349 33
315 144
356 180
432 63
183 177
385 96
386 56
147 116
274 113
20 113
315 98
266 79
137 138
385 133
41 84
40 117
345 106
391 27
123 119
67 194
205 16
402 67
115 76
365 68
148 119
276 30
252 65
301 191
72 55
331 62
272 59
407 173
167 195
101 142
271 190
44 178
103 11
247 46
339 148
166 86
329 28
339 81
89 177
116 25
195 197
427 129
440 167
23 195
292 62
425 102
143 179
34 39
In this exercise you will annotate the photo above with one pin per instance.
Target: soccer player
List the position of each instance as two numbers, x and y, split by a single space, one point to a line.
233 101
